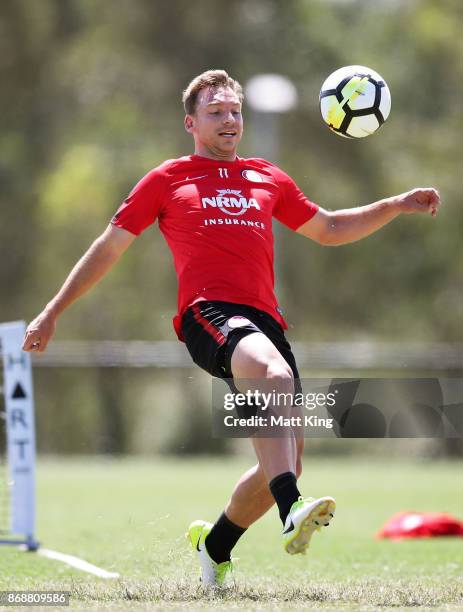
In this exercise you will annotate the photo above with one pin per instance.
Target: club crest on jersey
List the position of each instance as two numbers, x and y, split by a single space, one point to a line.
231 202
252 175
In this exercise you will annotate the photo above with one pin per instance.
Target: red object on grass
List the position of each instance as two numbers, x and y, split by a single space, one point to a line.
420 525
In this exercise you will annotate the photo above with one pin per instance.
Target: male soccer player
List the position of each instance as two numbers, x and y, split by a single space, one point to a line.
215 210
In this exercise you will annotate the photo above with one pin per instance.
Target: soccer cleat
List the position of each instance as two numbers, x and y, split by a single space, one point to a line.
306 516
212 574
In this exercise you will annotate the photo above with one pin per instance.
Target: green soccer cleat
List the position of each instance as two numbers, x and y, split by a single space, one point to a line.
306 516
212 574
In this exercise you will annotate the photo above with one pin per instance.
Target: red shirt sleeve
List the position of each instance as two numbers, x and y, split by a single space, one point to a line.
293 208
142 206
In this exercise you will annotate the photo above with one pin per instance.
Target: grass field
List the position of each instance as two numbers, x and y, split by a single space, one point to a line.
130 516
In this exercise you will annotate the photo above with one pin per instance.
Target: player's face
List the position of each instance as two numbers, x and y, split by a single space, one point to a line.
217 124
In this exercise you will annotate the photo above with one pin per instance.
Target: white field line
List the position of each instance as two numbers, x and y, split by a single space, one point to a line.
77 563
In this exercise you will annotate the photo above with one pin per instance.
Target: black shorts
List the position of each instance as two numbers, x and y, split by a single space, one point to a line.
212 329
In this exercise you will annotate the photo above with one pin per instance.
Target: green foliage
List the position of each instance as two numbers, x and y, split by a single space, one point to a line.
93 103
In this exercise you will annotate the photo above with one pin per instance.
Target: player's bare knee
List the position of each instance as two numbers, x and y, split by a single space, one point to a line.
281 376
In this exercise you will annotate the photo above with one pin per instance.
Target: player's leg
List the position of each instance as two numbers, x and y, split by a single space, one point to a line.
251 497
203 327
257 363
250 500
280 458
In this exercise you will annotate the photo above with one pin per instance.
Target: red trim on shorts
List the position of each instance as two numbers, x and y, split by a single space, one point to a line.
207 325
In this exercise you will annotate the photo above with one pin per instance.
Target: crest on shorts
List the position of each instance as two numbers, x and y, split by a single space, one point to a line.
238 321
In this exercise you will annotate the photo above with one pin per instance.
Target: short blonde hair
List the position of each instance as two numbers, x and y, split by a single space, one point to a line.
210 78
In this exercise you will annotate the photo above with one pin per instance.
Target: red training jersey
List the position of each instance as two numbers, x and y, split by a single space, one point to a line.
216 217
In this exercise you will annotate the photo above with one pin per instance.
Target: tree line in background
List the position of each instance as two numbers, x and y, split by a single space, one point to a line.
91 101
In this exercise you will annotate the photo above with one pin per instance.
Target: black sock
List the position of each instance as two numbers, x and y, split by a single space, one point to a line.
222 538
284 489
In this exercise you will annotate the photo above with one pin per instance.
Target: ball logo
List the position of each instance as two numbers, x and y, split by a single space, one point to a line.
230 202
252 175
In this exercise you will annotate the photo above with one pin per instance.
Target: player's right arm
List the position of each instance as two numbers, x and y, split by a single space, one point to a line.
95 263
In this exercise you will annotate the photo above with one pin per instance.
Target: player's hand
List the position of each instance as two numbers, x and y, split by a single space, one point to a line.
39 332
420 200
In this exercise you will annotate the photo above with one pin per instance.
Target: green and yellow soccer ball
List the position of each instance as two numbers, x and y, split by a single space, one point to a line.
355 101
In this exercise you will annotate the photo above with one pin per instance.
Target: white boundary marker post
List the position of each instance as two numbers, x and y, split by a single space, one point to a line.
20 431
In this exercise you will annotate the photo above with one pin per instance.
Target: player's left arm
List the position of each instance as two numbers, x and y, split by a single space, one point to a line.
352 224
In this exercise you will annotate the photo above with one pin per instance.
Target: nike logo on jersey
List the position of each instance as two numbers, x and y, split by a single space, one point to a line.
190 178
195 178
